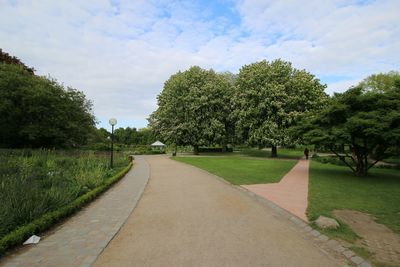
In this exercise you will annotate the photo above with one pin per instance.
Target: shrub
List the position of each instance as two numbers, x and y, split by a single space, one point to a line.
33 183
46 220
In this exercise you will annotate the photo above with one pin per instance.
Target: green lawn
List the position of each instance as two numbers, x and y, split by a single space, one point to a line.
393 160
239 170
282 153
259 153
335 187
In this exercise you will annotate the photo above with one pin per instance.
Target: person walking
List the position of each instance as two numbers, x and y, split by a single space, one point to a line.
306 151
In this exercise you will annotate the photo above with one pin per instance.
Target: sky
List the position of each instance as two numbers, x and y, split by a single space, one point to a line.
120 52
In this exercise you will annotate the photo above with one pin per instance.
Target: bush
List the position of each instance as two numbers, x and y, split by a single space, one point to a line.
214 149
329 159
48 219
38 182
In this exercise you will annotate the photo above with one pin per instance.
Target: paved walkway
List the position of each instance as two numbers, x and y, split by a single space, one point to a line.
80 240
188 217
291 193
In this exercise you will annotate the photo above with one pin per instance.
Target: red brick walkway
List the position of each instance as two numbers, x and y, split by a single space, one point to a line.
290 193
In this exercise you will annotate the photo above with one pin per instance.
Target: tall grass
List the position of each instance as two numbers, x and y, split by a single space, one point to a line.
33 183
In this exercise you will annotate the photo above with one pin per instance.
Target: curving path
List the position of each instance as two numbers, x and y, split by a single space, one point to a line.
188 217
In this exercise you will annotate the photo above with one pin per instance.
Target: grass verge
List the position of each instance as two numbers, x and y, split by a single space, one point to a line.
20 234
239 170
282 153
335 187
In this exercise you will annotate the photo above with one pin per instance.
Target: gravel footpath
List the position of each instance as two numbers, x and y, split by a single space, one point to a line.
187 217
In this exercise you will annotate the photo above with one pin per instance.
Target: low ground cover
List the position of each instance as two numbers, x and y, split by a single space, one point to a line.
241 170
282 153
33 183
333 187
285 153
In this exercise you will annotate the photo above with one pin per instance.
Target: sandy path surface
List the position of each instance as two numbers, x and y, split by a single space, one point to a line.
187 217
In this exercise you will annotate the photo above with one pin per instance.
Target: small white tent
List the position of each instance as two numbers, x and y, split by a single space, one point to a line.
157 145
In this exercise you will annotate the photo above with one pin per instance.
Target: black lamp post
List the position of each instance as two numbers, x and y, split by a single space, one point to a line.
112 122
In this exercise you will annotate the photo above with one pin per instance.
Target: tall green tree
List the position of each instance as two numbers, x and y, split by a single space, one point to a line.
366 121
269 98
193 109
381 82
8 59
39 112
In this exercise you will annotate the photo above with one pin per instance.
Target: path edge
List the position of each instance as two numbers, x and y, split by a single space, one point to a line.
297 221
139 196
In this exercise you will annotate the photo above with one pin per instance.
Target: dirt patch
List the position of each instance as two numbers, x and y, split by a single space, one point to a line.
377 238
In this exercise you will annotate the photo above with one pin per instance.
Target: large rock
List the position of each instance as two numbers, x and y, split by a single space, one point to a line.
326 223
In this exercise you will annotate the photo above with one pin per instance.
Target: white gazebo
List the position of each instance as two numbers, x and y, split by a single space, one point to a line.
157 145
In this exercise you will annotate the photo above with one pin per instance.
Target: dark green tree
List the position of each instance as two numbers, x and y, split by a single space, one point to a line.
39 112
269 98
193 109
8 59
364 119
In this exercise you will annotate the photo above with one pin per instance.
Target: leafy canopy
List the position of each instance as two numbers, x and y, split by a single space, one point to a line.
269 98
193 108
39 112
365 119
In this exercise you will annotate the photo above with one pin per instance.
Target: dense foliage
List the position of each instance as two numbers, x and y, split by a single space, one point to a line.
39 112
359 126
33 183
8 59
269 98
194 109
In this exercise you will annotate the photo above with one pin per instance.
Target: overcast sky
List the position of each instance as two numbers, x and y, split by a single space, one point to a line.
119 53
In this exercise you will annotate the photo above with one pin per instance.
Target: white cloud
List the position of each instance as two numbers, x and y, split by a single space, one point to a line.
121 52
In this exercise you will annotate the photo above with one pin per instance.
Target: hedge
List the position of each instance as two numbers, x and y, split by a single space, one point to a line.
19 235
214 149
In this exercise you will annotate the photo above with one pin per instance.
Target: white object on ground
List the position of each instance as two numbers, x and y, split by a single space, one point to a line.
32 240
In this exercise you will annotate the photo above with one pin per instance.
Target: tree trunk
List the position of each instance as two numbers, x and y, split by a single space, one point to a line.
362 165
175 150
274 152
196 149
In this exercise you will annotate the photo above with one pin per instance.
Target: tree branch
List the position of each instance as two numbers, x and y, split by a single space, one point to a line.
345 162
379 159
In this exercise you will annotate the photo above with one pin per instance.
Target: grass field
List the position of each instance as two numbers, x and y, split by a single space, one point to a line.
33 183
259 153
282 153
239 170
335 187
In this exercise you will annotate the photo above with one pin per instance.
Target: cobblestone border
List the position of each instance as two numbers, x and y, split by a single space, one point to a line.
299 223
330 243
80 239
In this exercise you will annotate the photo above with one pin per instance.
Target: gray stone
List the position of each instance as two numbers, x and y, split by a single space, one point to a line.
348 253
295 220
307 228
332 243
357 260
315 233
340 248
326 223
302 224
323 238
365 264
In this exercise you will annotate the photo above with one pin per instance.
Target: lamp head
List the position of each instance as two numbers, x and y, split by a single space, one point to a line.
113 121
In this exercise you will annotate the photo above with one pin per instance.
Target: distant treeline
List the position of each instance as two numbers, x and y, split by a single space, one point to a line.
125 136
